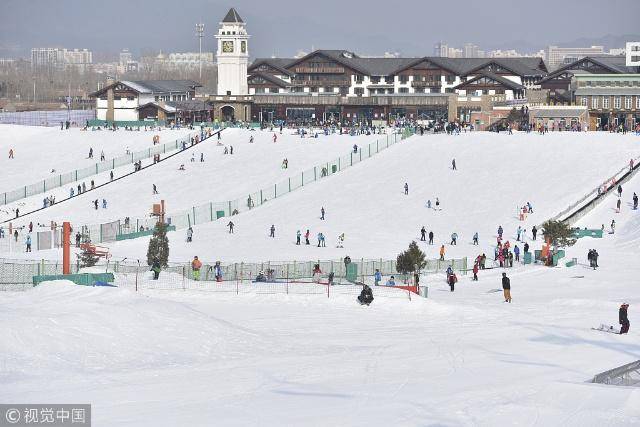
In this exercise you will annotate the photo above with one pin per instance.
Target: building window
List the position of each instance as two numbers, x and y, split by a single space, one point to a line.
594 102
328 89
627 103
617 102
117 98
585 101
359 91
605 102
259 90
375 80
637 102
404 79
404 90
359 78
130 98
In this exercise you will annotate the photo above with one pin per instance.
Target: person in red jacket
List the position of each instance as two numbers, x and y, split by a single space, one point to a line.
475 271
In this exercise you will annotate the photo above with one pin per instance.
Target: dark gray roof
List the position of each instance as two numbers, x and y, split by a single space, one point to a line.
232 16
389 66
271 78
616 65
503 81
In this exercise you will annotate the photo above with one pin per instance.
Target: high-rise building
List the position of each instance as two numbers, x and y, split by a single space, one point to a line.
441 49
125 57
470 50
632 52
561 55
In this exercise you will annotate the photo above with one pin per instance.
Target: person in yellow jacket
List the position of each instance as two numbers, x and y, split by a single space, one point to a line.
442 253
196 265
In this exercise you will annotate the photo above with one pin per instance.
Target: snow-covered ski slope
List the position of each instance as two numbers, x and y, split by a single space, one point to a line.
198 358
39 150
495 174
219 178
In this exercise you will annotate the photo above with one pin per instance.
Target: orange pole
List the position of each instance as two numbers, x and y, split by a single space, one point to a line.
66 248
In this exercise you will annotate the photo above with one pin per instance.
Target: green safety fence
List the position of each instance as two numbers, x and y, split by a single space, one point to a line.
137 234
86 279
123 123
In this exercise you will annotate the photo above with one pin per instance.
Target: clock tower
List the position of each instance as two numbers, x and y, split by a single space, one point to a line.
232 55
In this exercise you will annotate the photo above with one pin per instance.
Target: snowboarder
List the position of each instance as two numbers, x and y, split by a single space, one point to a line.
230 225
226 150
506 287
272 231
189 235
275 137
423 234
623 319
534 232
406 189
322 213
196 265
454 238
366 296
431 237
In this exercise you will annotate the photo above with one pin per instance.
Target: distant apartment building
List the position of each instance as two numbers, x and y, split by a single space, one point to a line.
185 60
60 58
557 56
126 62
441 50
632 52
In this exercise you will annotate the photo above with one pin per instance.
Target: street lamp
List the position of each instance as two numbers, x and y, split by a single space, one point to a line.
199 33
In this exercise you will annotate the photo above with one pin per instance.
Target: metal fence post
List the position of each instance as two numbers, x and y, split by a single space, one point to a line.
184 277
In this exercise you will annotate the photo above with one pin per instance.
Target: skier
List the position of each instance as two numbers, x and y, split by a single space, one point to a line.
104 203
11 153
155 189
454 238
298 234
526 248
322 213
28 243
506 287
423 234
475 239
201 157
231 149
366 296
111 176
618 206
272 231
226 150
189 235
613 226
230 225
71 192
623 319
534 232
15 235
306 237
619 190
219 136
475 271
595 256
102 156
355 149
500 231
251 139
451 280
406 189
429 204
431 237
91 153
155 267
196 265
30 226
635 201
442 251
453 164
377 277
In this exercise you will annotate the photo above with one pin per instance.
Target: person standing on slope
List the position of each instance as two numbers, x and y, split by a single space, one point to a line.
534 232
196 265
406 189
475 238
230 225
635 201
442 251
272 231
431 237
506 287
453 165
423 234
322 213
298 235
623 318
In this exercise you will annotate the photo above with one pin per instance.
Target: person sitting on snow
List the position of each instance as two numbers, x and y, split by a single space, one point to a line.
391 281
366 296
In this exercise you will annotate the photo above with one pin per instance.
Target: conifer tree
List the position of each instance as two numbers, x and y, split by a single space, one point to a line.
159 246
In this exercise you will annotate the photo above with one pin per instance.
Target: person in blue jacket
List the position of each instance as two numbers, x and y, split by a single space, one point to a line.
377 277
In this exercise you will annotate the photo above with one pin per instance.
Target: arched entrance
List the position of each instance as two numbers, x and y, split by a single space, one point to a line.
228 113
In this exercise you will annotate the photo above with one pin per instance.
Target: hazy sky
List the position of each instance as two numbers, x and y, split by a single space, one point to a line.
282 27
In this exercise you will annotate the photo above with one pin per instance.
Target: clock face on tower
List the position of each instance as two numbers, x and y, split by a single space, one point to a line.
227 46
243 46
